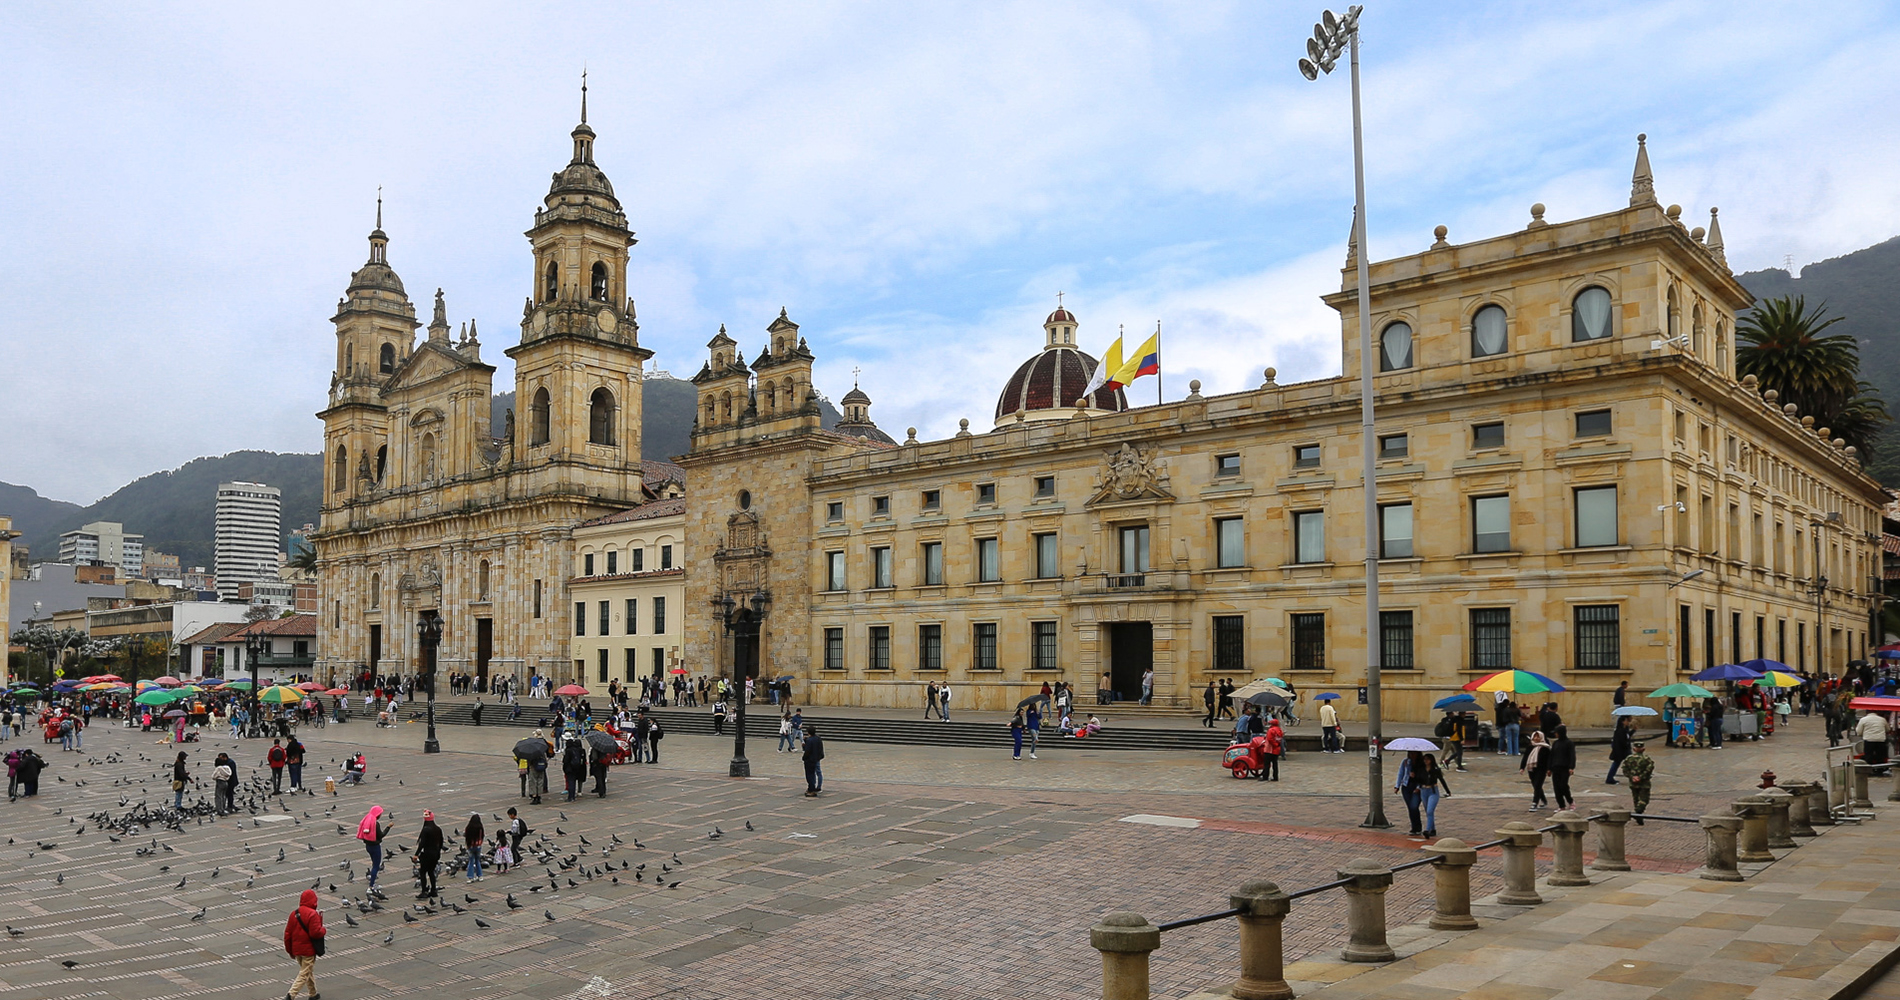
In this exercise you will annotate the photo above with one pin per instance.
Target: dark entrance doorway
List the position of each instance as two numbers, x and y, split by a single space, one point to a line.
745 644
1131 651
484 650
375 649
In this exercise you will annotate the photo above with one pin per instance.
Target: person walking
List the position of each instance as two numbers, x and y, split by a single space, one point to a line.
276 759
719 717
472 836
785 733
1016 734
371 832
574 767
1430 778
1147 686
1406 784
1536 763
303 941
943 702
1275 749
1639 768
597 764
930 699
1032 726
1226 698
293 760
1210 700
476 712
516 829
1712 712
1563 763
1619 746
180 779
429 845
814 755
1452 730
1329 741
1621 697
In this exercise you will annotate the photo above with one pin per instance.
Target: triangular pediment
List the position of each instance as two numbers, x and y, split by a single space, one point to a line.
430 362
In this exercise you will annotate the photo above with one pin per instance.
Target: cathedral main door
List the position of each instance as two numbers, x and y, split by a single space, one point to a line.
1131 651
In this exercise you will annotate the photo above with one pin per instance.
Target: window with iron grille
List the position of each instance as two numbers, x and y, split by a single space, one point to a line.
930 647
606 618
1309 641
613 562
603 666
1395 640
880 650
1490 638
1230 642
580 617
1599 637
633 665
659 616
1042 646
834 649
983 646
633 616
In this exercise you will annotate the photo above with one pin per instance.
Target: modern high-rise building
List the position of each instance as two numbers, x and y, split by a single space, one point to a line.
250 535
104 543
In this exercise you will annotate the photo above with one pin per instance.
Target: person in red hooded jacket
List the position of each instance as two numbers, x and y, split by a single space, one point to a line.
303 940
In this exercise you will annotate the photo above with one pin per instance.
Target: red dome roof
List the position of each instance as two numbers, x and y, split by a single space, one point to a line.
1052 380
1061 315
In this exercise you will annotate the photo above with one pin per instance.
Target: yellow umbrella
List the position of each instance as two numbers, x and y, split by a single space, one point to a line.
1777 679
280 695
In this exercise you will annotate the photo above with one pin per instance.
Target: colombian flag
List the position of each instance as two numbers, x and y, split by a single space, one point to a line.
1145 361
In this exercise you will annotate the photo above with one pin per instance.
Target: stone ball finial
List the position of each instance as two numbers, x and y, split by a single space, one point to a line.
1749 380
1807 421
1839 442
1537 215
1081 402
1697 233
1194 386
1675 214
1771 395
963 424
1438 235
1271 374
1788 408
910 435
1824 432
1852 452
1642 137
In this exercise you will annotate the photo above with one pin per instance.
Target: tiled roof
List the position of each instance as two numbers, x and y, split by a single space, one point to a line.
293 625
644 512
215 633
661 472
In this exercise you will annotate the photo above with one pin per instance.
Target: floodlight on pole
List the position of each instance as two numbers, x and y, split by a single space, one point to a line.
1332 37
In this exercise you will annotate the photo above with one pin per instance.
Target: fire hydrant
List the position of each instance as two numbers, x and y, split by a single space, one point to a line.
1767 779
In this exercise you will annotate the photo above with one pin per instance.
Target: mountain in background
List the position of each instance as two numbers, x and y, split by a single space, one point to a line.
1864 288
176 511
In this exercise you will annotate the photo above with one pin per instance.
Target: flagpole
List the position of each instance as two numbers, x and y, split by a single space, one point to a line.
1157 362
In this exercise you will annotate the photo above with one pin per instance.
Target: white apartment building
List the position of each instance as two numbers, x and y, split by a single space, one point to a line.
104 543
249 535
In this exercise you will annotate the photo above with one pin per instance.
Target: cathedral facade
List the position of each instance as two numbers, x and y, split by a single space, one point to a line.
424 509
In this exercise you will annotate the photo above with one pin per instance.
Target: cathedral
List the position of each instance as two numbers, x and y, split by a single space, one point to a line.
424 510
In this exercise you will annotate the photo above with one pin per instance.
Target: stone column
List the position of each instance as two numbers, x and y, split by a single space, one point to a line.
1451 875
1521 841
1610 830
1820 810
1860 773
1753 847
1798 805
1894 796
1719 864
1262 965
1780 805
1125 941
1365 911
1567 846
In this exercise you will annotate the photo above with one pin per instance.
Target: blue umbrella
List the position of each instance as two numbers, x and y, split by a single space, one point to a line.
1727 672
1887 654
1763 666
1634 710
1328 696
1455 701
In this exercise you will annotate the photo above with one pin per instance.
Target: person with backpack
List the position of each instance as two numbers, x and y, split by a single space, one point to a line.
371 831
574 767
719 717
276 759
515 829
293 759
303 941
1451 729
1016 734
784 733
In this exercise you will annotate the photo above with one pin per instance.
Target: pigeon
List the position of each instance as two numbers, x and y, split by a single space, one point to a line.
511 905
61 880
563 818
13 931
70 964
557 829
407 917
181 883
200 915
483 924
673 885
389 937
748 824
351 920
548 914
616 837
466 898
584 839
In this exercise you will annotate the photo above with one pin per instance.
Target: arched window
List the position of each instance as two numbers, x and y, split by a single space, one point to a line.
599 287
1675 317
1721 345
388 362
711 411
725 406
1487 332
375 590
382 462
339 470
538 418
1395 347
481 580
1590 315
551 285
349 358
426 455
600 417
1695 331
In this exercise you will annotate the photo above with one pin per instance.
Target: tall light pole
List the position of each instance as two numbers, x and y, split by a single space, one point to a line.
255 646
428 637
1332 36
741 622
1820 591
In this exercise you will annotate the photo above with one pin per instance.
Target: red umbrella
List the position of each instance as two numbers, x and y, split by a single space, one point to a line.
570 689
679 670
337 691
102 678
309 686
167 681
1875 703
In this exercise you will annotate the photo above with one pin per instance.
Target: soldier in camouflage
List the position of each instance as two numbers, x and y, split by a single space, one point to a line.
1638 768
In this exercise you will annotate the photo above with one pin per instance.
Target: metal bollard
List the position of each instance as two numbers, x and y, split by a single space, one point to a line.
1799 804
1365 911
1451 877
1839 782
1719 862
1820 804
1567 848
1521 841
1610 830
1262 962
1780 805
1125 941
1894 796
1860 772
1753 846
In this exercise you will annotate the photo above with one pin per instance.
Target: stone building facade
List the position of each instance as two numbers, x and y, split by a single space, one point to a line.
629 592
1570 479
423 509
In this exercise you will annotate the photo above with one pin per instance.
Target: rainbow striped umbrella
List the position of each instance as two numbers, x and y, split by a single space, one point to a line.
1516 682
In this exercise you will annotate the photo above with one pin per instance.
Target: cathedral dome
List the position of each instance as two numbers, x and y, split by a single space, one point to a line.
1046 386
376 275
581 176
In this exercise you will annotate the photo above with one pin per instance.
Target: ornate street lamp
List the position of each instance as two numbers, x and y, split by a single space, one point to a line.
741 622
255 646
429 636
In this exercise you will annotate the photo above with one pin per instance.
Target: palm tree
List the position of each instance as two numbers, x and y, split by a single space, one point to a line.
1784 347
305 558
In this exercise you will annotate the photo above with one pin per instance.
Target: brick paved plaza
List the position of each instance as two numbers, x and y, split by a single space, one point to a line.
930 872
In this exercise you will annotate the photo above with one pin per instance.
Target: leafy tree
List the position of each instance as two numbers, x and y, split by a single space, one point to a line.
1787 349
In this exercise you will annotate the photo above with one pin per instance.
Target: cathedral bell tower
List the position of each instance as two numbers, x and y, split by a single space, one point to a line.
375 326
577 368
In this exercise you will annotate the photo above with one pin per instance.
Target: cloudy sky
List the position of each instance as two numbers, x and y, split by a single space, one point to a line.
184 189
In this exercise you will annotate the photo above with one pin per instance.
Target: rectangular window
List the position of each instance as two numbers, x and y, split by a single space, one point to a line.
633 665
587 564
1489 435
659 662
985 493
1684 658
881 566
1593 423
834 571
933 500
1046 566
659 616
537 598
983 646
613 562
603 666
1395 445
1735 635
1781 640
639 560
1395 531
1227 465
834 649
1309 641
1230 642
1490 638
1395 640
580 617
633 616
1309 536
1042 646
933 564
1045 487
1761 627
1596 516
1134 549
1599 637
834 512
880 506
1306 456
987 568
1490 524
606 618
666 557
880 648
1230 542
930 647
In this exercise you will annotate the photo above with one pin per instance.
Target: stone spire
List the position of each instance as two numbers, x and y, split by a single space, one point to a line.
1714 240
1642 182
1352 240
439 326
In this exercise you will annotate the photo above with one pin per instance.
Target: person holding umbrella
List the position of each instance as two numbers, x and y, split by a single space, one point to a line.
532 754
1032 724
574 767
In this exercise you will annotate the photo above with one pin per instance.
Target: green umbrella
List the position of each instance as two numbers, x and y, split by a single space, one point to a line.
1681 691
156 696
280 695
246 685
